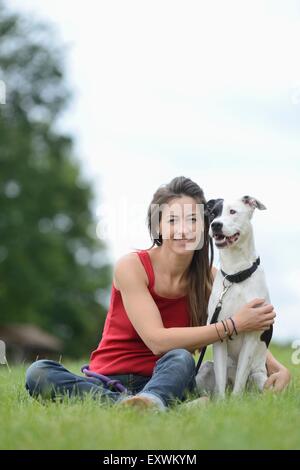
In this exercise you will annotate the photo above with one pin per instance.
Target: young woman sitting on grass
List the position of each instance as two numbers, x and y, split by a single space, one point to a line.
157 315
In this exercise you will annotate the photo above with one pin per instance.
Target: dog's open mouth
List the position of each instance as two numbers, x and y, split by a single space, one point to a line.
221 241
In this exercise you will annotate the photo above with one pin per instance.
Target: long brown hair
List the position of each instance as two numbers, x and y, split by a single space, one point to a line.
199 272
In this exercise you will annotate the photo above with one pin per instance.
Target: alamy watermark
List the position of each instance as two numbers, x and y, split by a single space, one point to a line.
169 221
2 92
296 354
3 359
179 222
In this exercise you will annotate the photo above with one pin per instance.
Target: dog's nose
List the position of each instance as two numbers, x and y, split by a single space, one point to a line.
217 226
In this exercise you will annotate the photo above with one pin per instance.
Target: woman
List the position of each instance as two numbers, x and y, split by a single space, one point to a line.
157 315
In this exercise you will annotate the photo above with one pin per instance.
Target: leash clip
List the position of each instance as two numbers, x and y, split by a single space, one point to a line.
225 289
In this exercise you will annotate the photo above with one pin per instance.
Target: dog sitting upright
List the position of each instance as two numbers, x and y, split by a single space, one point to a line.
243 357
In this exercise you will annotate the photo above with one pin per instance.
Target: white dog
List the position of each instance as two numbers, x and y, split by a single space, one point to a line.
244 357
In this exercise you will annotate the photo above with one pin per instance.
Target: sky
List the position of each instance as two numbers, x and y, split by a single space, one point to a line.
207 90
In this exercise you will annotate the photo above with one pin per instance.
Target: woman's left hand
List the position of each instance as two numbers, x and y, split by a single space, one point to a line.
278 380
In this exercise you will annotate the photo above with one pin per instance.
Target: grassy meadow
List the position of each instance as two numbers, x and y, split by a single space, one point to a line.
252 421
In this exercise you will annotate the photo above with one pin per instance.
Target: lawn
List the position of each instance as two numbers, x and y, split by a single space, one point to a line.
253 421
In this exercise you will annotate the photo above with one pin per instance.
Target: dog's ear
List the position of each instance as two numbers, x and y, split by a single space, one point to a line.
253 203
208 210
209 205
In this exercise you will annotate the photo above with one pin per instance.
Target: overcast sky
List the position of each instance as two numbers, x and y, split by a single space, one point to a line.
208 90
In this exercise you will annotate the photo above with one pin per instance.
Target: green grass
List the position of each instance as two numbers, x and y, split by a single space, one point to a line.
253 421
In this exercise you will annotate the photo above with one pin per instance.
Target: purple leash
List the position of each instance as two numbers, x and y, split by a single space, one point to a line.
106 380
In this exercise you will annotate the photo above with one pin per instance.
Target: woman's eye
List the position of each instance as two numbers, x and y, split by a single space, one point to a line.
232 211
193 220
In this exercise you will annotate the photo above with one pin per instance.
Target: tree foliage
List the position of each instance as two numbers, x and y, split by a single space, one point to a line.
52 267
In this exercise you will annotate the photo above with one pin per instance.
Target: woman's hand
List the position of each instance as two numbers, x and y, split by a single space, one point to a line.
277 381
251 317
278 375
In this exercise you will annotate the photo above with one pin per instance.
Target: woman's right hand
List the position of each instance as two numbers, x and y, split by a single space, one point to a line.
252 317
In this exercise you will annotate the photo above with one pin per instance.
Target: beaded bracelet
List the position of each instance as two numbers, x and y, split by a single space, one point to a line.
225 329
229 335
234 328
218 333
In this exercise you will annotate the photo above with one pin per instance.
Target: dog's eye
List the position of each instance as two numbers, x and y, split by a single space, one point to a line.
232 211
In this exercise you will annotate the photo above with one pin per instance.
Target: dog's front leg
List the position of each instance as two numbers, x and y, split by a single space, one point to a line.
245 362
258 373
220 367
258 378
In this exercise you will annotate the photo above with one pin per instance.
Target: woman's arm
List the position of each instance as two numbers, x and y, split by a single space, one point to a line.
279 375
272 364
145 317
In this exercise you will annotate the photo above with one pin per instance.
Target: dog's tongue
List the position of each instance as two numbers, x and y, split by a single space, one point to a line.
233 237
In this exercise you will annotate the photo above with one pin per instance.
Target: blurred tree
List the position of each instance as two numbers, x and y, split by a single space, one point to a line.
52 267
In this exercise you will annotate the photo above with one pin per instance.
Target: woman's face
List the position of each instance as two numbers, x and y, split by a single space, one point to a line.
181 224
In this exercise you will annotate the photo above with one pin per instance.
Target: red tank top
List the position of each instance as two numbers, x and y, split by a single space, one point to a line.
121 350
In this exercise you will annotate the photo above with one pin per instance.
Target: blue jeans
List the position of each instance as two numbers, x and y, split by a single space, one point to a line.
173 379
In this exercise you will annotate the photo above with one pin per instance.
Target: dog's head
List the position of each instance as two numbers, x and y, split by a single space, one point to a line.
230 221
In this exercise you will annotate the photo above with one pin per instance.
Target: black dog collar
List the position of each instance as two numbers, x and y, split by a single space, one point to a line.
242 275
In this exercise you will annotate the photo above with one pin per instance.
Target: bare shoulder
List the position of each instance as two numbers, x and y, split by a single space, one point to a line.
129 267
214 271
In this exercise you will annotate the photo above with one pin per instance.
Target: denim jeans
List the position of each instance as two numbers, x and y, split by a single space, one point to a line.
173 379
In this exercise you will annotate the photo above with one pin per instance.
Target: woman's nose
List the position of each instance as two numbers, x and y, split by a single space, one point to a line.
184 234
